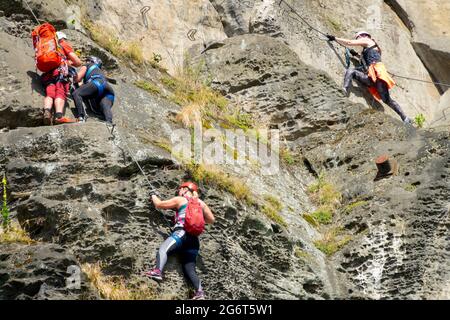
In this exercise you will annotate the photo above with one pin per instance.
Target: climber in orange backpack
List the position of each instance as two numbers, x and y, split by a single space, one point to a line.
190 218
54 56
376 77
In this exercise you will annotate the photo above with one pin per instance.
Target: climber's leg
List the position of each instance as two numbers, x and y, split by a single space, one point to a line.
353 73
386 97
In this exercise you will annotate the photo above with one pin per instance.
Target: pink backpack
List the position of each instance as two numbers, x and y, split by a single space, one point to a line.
194 222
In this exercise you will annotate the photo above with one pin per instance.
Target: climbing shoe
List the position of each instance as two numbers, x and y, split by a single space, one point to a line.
346 91
154 274
199 295
63 120
47 117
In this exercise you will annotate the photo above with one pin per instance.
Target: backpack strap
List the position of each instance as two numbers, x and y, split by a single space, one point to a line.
87 76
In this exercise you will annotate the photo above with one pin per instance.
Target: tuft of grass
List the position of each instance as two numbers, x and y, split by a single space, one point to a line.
315 187
163 145
410 187
113 287
105 37
323 215
274 202
287 156
133 51
327 197
349 208
420 120
169 82
213 175
337 26
310 219
324 193
238 119
299 253
190 114
332 242
273 214
271 208
200 103
147 86
15 234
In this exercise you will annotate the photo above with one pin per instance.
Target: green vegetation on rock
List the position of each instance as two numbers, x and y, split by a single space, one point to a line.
147 86
332 241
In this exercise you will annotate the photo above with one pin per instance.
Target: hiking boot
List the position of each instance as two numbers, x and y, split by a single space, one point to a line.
63 120
199 295
154 274
47 117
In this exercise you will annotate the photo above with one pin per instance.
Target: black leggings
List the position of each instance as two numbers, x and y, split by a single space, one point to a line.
380 85
188 247
90 91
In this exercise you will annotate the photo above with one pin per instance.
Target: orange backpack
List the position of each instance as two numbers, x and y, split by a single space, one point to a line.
48 53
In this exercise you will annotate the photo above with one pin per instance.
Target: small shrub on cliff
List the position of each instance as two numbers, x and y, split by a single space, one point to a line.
113 287
332 241
287 156
323 215
349 208
327 197
15 234
147 86
131 51
420 120
271 208
200 103
213 175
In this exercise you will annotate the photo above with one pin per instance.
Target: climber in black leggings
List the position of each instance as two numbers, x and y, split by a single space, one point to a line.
181 241
95 88
376 77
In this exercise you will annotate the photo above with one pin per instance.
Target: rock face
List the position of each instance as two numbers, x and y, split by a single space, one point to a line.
431 38
20 89
168 29
41 272
404 220
402 53
235 15
99 210
77 189
264 77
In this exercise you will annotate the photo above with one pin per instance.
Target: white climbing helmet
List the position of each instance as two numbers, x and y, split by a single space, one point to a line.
61 35
360 33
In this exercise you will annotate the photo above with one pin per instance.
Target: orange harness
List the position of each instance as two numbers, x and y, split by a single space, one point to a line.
378 71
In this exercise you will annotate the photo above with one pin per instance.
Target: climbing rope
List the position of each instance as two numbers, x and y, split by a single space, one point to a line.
32 12
420 80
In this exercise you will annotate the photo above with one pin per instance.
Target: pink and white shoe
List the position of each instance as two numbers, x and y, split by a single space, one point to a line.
199 295
154 274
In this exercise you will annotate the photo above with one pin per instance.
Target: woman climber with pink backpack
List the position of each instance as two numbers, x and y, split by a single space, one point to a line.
190 218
